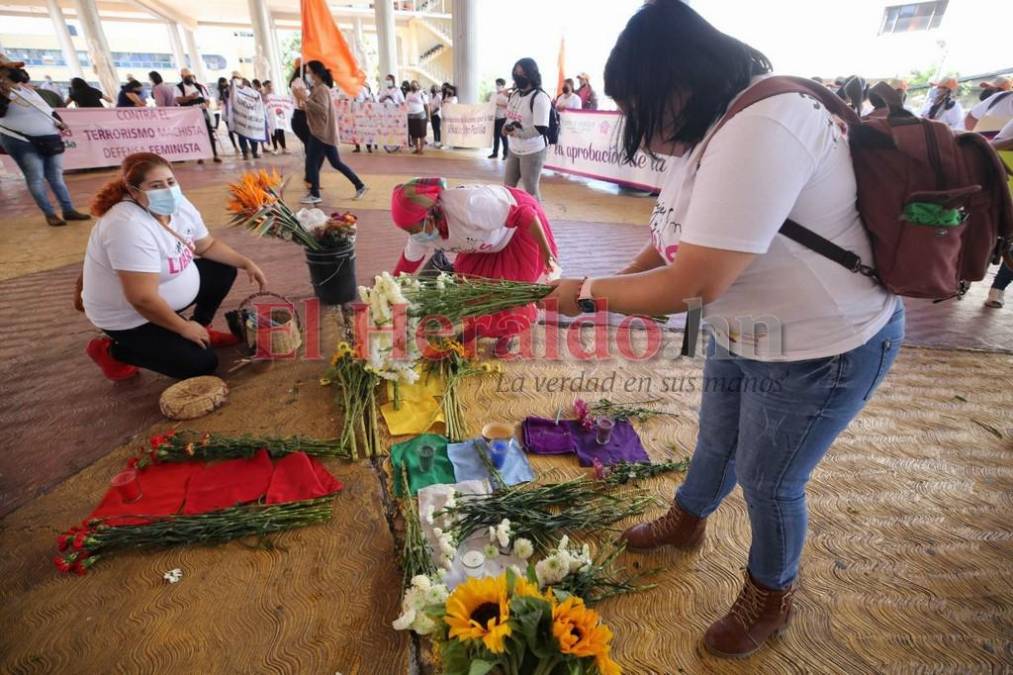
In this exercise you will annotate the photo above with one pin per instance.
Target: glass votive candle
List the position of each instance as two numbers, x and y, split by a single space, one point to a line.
498 450
473 563
603 427
427 454
127 484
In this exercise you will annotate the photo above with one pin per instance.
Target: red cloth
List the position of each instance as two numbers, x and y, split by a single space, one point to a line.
410 202
407 266
193 487
520 260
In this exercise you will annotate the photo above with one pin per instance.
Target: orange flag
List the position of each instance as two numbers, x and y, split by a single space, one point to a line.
562 66
322 41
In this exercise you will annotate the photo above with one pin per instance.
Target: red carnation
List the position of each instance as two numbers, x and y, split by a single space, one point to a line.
62 542
79 568
61 564
79 539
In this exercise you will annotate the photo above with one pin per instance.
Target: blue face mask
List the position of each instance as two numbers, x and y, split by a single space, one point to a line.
164 201
425 238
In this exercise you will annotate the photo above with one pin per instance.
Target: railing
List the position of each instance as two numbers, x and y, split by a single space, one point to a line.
423 6
431 53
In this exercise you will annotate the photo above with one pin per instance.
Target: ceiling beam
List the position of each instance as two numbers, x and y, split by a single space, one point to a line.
166 13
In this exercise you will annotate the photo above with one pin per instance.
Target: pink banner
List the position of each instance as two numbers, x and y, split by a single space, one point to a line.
104 136
371 122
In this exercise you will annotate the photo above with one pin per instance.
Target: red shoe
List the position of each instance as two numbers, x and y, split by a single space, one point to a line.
220 339
98 350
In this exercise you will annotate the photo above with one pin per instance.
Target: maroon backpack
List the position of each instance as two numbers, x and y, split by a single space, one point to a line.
936 204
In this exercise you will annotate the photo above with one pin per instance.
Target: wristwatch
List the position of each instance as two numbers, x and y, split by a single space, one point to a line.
584 300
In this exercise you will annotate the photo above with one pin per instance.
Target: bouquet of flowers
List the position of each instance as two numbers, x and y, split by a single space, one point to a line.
508 623
455 297
390 355
331 232
357 396
452 361
256 204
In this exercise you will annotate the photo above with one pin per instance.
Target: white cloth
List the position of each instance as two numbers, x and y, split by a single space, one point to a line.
519 109
952 117
392 96
1001 108
29 114
128 239
782 157
416 103
435 101
501 99
1005 133
476 221
569 101
299 92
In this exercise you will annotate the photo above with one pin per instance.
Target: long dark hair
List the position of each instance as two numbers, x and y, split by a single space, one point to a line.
672 72
530 69
320 70
854 92
78 85
155 77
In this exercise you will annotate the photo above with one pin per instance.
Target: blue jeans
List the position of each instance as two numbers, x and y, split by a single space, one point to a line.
765 426
1003 277
38 170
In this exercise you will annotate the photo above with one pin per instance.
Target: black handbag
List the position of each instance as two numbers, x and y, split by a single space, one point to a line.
48 145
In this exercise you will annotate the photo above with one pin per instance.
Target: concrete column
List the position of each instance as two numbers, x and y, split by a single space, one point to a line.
177 47
279 69
465 20
263 59
63 36
413 44
196 62
98 47
386 38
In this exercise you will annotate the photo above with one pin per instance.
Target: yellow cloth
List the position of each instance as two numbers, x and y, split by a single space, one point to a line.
1007 158
420 407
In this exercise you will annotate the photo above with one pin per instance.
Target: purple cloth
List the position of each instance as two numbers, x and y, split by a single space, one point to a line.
544 437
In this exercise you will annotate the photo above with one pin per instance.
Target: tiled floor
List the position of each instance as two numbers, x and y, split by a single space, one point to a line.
59 414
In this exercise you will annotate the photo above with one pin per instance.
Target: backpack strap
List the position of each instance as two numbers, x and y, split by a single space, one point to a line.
826 248
996 98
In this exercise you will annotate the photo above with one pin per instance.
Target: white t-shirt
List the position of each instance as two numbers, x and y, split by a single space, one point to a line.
416 103
128 239
29 114
1001 108
1005 133
501 99
519 109
782 157
392 96
953 117
434 103
476 221
569 101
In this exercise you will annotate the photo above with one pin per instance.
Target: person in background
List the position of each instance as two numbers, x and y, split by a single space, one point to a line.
299 92
996 100
405 86
27 123
83 95
48 85
435 106
942 105
500 97
223 110
149 257
527 123
51 95
418 113
365 95
833 335
391 96
131 95
277 133
568 99
163 92
449 93
258 86
144 90
323 137
854 93
1002 141
248 146
886 95
589 99
191 93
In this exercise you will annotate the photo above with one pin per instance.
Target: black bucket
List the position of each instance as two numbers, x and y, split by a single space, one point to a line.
333 274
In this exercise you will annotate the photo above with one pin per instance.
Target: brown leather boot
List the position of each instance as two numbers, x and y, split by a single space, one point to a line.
676 528
757 614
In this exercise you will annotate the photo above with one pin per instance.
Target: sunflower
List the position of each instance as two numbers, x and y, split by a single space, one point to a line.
479 609
580 631
524 588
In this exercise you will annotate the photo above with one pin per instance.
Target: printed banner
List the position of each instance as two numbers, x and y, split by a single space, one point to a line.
246 114
371 122
104 136
279 112
468 125
589 146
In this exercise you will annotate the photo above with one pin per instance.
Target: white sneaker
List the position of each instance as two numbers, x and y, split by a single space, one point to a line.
360 193
310 199
995 299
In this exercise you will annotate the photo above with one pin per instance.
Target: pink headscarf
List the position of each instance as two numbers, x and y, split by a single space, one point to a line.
410 202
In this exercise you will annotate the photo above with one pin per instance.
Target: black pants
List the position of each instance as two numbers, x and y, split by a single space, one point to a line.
300 127
278 138
316 152
248 144
211 133
159 349
497 136
437 126
232 138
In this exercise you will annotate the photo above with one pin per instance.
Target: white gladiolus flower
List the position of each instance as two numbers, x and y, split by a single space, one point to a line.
523 548
404 621
437 532
423 624
503 533
364 294
492 533
564 543
441 574
427 513
421 582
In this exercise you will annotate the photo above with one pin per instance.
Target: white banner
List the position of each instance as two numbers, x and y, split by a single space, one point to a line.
279 112
467 125
589 146
246 113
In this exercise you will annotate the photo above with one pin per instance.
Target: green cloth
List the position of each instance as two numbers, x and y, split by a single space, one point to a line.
407 453
925 213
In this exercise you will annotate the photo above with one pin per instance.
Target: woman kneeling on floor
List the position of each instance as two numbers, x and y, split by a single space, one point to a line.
497 232
150 257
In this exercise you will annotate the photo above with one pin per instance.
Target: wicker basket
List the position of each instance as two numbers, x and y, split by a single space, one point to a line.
285 334
193 398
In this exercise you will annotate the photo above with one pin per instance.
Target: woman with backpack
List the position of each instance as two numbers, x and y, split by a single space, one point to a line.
527 124
799 343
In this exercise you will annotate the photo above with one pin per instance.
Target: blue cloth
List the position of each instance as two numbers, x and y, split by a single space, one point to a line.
769 436
469 466
38 171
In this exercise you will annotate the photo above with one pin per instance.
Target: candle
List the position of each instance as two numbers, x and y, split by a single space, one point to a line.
426 455
473 562
127 484
603 430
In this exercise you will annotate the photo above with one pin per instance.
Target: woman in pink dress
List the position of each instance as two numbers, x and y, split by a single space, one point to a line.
497 232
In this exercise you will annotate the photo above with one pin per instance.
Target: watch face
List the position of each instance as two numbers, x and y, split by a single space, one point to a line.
586 305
